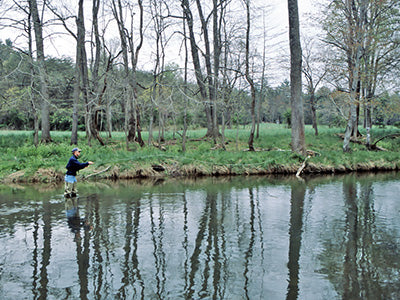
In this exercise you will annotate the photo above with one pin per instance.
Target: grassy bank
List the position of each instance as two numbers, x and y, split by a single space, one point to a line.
21 161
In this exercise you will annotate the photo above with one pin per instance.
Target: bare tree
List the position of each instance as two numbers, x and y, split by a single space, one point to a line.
355 33
231 66
87 82
298 133
263 79
345 24
208 85
97 90
250 79
40 56
83 69
314 73
32 82
127 37
185 82
159 25
381 50
26 26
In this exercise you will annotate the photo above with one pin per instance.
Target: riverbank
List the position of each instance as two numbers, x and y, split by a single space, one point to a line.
23 162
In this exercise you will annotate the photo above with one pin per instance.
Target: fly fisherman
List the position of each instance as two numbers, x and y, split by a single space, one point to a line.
73 166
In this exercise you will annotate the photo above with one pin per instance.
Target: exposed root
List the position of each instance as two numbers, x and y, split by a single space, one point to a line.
47 175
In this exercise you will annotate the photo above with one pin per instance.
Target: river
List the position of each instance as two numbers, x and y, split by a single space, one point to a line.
327 237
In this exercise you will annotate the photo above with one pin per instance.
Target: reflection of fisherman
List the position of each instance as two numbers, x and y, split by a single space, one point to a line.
75 222
73 166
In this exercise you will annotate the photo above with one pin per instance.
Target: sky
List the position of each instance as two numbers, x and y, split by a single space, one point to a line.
280 49
278 43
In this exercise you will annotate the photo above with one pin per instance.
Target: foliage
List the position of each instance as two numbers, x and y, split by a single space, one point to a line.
288 118
16 106
18 153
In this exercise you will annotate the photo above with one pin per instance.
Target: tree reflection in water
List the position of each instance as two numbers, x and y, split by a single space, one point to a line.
298 191
219 240
76 223
132 283
357 259
205 256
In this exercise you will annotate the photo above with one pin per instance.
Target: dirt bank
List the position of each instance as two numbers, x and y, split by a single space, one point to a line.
175 170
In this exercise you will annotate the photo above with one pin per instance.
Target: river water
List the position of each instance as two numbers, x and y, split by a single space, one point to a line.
237 238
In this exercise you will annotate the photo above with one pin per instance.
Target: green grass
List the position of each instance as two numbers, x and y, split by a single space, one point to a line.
20 155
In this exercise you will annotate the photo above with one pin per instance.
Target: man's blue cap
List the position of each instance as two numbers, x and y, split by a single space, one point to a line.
76 149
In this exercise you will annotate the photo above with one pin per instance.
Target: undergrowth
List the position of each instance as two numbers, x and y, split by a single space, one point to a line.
273 152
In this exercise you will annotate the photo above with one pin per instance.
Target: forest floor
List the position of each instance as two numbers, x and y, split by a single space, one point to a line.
21 161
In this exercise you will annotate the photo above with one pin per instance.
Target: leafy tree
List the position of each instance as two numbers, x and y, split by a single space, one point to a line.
363 34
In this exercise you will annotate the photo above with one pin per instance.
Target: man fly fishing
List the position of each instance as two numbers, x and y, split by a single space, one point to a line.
73 167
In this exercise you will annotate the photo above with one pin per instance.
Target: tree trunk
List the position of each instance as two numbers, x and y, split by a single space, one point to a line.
258 120
237 133
223 129
185 126
355 28
118 15
156 16
261 97
357 103
194 49
97 91
160 127
349 128
32 84
313 112
197 66
130 117
38 28
298 133
34 111
132 112
82 65
150 138
77 86
134 61
208 111
102 95
35 125
138 128
210 77
217 56
368 112
109 117
77 91
250 80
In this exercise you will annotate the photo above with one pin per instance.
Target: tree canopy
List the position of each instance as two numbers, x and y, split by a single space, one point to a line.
121 77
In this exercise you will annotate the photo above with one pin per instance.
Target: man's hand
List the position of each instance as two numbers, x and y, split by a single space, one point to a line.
90 162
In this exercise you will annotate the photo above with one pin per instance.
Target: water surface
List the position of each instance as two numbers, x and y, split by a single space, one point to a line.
239 238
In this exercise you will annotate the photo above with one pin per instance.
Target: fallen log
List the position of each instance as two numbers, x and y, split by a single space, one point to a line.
159 146
97 173
302 167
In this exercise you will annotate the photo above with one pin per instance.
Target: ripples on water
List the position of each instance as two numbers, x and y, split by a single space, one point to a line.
243 238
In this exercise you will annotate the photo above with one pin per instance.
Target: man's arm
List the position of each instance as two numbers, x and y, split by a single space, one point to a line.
78 165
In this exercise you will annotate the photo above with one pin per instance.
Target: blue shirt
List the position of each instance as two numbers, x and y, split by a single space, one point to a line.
74 165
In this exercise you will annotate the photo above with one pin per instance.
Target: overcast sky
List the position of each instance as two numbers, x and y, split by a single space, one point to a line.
278 43
279 14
